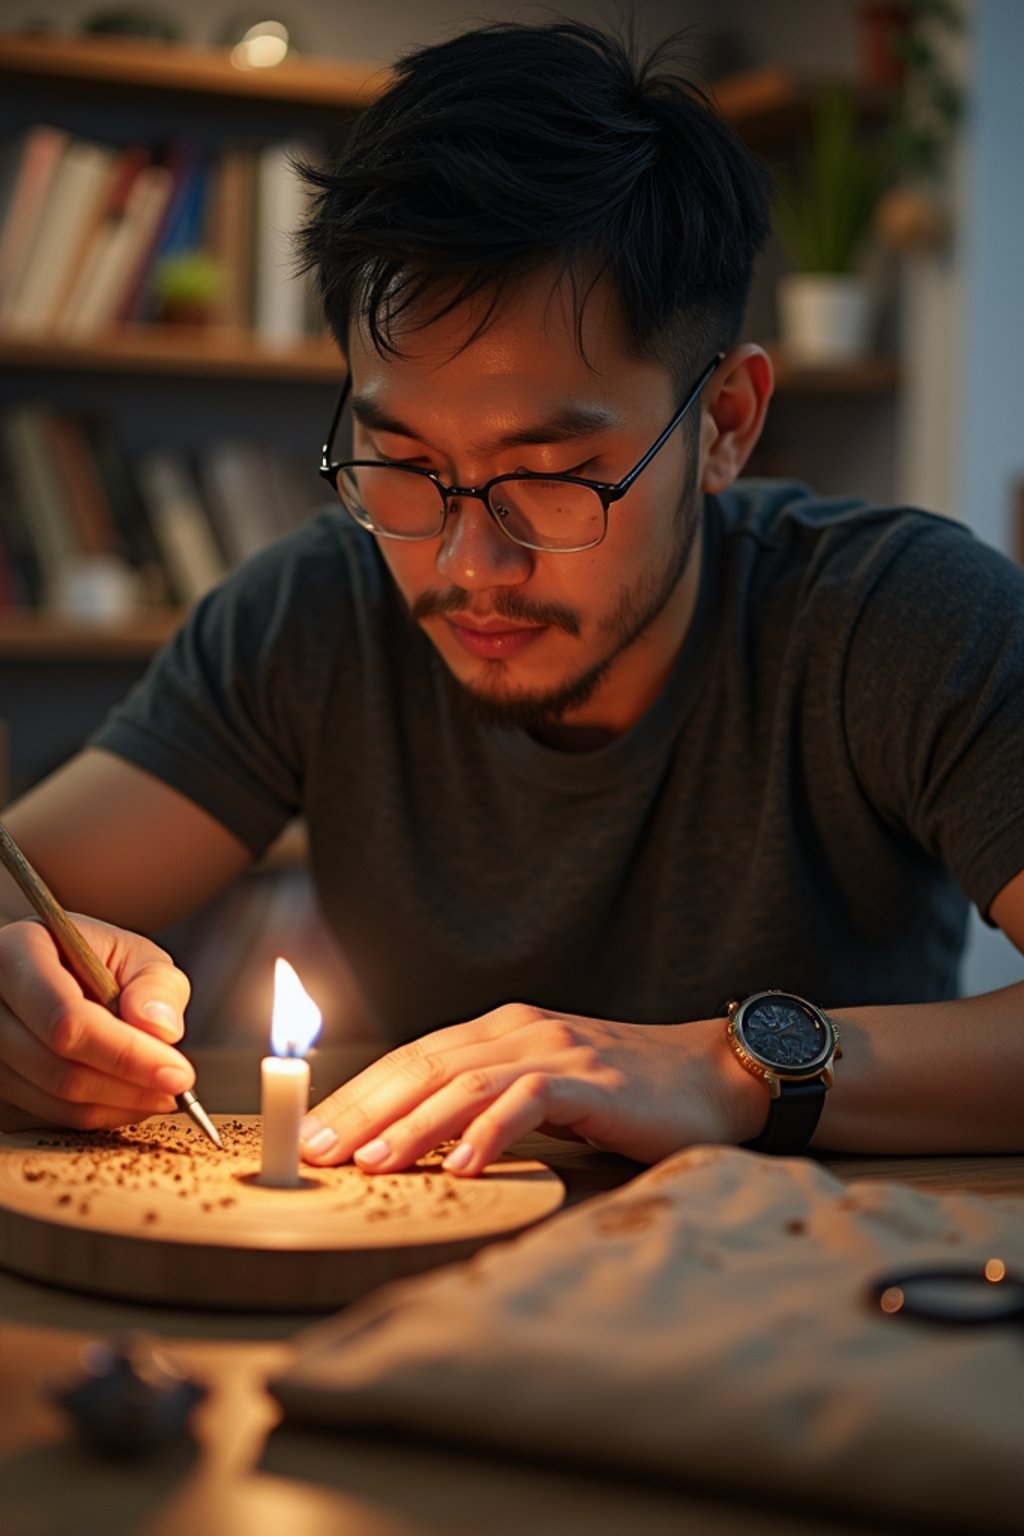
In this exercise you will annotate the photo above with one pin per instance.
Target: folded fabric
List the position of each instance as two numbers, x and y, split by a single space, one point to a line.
708 1323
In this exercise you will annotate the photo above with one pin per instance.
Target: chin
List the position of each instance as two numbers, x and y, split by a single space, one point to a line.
493 700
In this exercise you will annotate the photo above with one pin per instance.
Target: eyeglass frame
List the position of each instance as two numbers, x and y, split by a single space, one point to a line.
607 493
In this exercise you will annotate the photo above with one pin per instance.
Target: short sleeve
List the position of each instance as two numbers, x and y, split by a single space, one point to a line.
934 703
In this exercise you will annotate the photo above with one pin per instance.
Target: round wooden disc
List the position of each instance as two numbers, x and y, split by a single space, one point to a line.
155 1213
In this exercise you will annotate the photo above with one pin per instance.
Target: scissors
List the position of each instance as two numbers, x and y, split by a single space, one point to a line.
966 1295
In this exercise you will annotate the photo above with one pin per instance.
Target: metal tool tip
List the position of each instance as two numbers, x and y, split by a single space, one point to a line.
197 1114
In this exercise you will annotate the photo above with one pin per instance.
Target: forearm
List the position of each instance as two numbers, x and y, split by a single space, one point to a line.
929 1077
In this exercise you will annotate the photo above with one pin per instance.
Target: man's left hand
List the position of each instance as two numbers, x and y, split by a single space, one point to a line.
641 1090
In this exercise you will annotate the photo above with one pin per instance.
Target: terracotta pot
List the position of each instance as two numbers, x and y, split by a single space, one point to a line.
883 24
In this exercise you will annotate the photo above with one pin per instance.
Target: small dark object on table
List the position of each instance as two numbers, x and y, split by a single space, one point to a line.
133 1399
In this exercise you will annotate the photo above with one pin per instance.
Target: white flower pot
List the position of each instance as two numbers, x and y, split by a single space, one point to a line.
822 318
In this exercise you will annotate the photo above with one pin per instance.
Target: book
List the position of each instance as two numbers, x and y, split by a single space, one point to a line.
296 490
129 163
230 229
279 296
23 577
39 493
124 498
180 524
80 182
234 481
176 229
121 248
32 158
84 491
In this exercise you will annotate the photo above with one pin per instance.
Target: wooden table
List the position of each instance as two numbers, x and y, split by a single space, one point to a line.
245 1476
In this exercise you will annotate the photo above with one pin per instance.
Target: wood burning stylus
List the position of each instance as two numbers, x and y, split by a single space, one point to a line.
96 981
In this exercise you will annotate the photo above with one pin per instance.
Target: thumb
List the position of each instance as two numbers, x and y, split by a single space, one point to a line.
154 999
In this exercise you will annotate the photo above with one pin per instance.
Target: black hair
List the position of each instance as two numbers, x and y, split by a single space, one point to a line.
512 148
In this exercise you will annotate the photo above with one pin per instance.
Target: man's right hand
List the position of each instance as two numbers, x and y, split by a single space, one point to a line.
65 1060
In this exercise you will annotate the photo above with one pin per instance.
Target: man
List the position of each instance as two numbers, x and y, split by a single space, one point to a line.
589 738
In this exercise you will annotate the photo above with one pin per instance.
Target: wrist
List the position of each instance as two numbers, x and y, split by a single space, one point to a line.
747 1097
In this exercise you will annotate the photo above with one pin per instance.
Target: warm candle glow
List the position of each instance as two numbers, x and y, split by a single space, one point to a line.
296 1020
284 1077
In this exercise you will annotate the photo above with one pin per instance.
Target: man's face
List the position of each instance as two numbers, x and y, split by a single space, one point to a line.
573 646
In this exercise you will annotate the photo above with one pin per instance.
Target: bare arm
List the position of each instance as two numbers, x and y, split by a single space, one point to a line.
120 844
934 1077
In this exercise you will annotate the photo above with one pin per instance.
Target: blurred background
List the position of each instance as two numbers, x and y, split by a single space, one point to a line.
166 384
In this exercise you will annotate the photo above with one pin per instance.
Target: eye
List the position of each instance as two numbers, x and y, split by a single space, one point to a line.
402 458
582 471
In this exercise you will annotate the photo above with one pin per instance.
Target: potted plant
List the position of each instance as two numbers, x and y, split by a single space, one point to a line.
188 288
825 215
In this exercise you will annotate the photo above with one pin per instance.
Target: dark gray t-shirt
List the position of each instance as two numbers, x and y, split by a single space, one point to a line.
834 766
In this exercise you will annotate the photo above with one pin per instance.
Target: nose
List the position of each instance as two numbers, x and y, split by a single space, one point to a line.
474 554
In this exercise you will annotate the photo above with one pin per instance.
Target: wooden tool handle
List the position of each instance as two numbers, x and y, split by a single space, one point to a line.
82 961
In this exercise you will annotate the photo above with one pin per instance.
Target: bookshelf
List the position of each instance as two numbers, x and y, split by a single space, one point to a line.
200 351
41 75
60 676
172 69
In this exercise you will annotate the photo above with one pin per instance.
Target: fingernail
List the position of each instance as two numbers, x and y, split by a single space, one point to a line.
459 1157
172 1080
164 1016
316 1137
373 1153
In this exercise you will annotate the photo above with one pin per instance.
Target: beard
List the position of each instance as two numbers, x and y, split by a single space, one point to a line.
497 703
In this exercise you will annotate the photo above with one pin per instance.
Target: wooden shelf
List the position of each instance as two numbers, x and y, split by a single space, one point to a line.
206 351
873 375
763 104
179 69
772 107
217 352
31 636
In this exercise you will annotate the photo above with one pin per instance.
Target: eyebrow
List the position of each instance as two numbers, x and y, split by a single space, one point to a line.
572 421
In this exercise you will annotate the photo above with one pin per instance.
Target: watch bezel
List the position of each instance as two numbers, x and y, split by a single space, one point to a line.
760 1065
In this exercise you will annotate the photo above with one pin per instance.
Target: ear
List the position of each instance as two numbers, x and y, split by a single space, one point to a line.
734 410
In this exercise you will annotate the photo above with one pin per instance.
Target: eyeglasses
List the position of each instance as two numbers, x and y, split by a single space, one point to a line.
963 1295
559 514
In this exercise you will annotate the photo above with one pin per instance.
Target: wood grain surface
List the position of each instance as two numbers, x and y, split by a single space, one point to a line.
154 1213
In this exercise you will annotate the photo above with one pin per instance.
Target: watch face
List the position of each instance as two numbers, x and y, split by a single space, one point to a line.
784 1032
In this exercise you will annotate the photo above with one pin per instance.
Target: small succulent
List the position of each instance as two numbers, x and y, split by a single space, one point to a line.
189 277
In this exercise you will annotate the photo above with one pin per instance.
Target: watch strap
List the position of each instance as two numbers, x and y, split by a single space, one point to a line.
792 1118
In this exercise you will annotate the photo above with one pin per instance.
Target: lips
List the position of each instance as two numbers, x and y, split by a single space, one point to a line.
495 640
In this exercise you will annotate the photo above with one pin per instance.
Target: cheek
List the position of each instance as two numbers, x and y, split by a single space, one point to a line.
411 565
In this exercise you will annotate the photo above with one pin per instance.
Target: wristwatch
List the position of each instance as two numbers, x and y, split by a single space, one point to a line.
790 1045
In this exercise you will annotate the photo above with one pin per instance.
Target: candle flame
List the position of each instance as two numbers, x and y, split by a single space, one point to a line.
295 1022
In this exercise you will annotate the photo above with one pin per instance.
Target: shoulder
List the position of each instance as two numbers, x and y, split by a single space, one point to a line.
786 517
779 533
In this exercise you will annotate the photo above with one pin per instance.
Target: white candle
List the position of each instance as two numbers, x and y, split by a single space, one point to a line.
284 1078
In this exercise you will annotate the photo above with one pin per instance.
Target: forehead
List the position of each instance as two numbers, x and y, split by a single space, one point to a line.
546 342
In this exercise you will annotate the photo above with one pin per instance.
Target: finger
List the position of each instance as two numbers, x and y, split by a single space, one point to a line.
532 1101
87 1035
155 999
154 993
76 1079
41 1108
391 1088
33 975
442 1116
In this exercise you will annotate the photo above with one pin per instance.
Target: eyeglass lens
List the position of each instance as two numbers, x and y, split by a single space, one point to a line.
543 514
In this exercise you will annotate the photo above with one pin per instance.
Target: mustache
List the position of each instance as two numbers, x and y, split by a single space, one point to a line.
507 603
